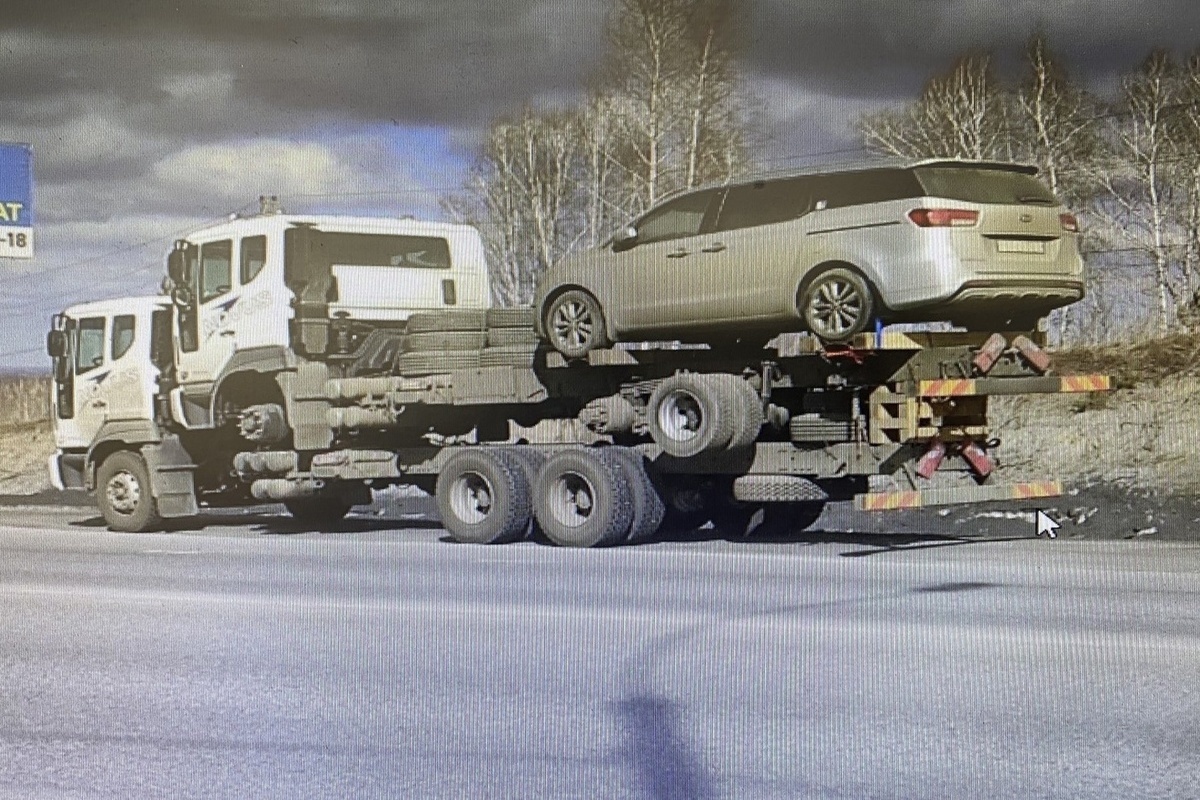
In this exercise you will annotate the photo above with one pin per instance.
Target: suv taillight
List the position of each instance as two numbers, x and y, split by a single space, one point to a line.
943 217
1069 223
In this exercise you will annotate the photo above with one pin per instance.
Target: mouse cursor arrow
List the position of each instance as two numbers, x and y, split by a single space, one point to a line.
1046 526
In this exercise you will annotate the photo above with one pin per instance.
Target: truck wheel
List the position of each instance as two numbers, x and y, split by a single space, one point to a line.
510 318
123 494
441 341
483 496
649 510
512 337
575 324
837 305
690 414
748 417
431 363
582 500
431 321
318 511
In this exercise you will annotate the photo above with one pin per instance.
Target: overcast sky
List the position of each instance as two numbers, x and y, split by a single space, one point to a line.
148 119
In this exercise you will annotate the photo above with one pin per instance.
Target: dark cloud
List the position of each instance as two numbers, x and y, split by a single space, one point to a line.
886 50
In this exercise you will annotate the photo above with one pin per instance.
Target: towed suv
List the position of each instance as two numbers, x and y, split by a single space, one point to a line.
983 245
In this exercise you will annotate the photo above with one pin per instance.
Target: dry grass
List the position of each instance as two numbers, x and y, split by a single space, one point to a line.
24 399
26 439
1146 361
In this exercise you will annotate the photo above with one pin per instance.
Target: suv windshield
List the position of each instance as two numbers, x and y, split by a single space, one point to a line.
979 185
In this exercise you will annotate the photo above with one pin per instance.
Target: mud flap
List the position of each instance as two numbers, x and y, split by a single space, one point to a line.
171 477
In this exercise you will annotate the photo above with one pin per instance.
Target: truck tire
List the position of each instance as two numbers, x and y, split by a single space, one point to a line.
504 337
442 341
508 356
433 363
748 417
436 321
690 414
649 510
483 496
582 499
510 318
318 512
574 324
124 495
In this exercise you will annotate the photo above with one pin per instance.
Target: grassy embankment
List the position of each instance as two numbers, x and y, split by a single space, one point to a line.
26 440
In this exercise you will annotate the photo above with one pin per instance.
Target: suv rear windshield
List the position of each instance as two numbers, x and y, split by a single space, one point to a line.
976 185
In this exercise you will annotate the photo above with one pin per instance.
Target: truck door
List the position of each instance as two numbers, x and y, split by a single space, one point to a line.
81 373
206 333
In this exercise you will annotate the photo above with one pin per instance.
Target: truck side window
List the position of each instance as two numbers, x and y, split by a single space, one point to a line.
253 258
216 269
122 336
89 350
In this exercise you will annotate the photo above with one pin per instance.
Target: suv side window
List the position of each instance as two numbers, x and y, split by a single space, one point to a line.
867 186
764 203
216 269
683 216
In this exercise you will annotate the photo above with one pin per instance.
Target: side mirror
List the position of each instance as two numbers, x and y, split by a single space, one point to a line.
177 266
626 239
56 343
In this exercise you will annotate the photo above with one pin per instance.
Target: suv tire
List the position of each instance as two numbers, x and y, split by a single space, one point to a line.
574 324
837 305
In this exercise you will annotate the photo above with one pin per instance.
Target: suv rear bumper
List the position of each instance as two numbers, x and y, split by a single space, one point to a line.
1024 295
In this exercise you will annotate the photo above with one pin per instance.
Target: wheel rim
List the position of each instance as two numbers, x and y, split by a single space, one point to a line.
573 498
124 492
573 324
836 307
680 415
471 498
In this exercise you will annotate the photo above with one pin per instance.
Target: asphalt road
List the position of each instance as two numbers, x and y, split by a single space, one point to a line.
247 658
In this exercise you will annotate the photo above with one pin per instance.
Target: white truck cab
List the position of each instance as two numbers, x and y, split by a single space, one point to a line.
106 368
284 282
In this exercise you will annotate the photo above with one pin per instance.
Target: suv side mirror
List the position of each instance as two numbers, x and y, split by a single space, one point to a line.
56 343
626 239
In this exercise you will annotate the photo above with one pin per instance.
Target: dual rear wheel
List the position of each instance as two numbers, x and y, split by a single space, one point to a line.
577 497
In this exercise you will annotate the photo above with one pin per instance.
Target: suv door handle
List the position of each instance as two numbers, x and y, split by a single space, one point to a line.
715 247
228 333
680 253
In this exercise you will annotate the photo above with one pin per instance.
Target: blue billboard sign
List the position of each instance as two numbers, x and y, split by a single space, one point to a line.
16 201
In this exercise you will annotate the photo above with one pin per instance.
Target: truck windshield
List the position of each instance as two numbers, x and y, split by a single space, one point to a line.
378 250
980 185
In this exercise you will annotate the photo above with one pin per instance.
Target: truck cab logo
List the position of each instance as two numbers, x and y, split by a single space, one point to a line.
230 312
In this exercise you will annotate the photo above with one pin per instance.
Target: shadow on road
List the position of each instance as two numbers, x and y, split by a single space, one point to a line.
662 761
269 524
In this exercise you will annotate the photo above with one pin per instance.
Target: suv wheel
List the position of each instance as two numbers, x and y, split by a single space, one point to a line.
575 324
837 305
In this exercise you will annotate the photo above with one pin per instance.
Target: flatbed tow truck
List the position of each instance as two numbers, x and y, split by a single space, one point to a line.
311 397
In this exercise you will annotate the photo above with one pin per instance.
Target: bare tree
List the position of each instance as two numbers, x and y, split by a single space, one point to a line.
1136 176
664 115
961 114
1061 119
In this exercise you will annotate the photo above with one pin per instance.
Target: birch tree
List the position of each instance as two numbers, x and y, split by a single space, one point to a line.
960 114
1136 176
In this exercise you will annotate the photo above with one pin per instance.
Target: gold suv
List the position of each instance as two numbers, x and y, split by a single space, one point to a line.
983 245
